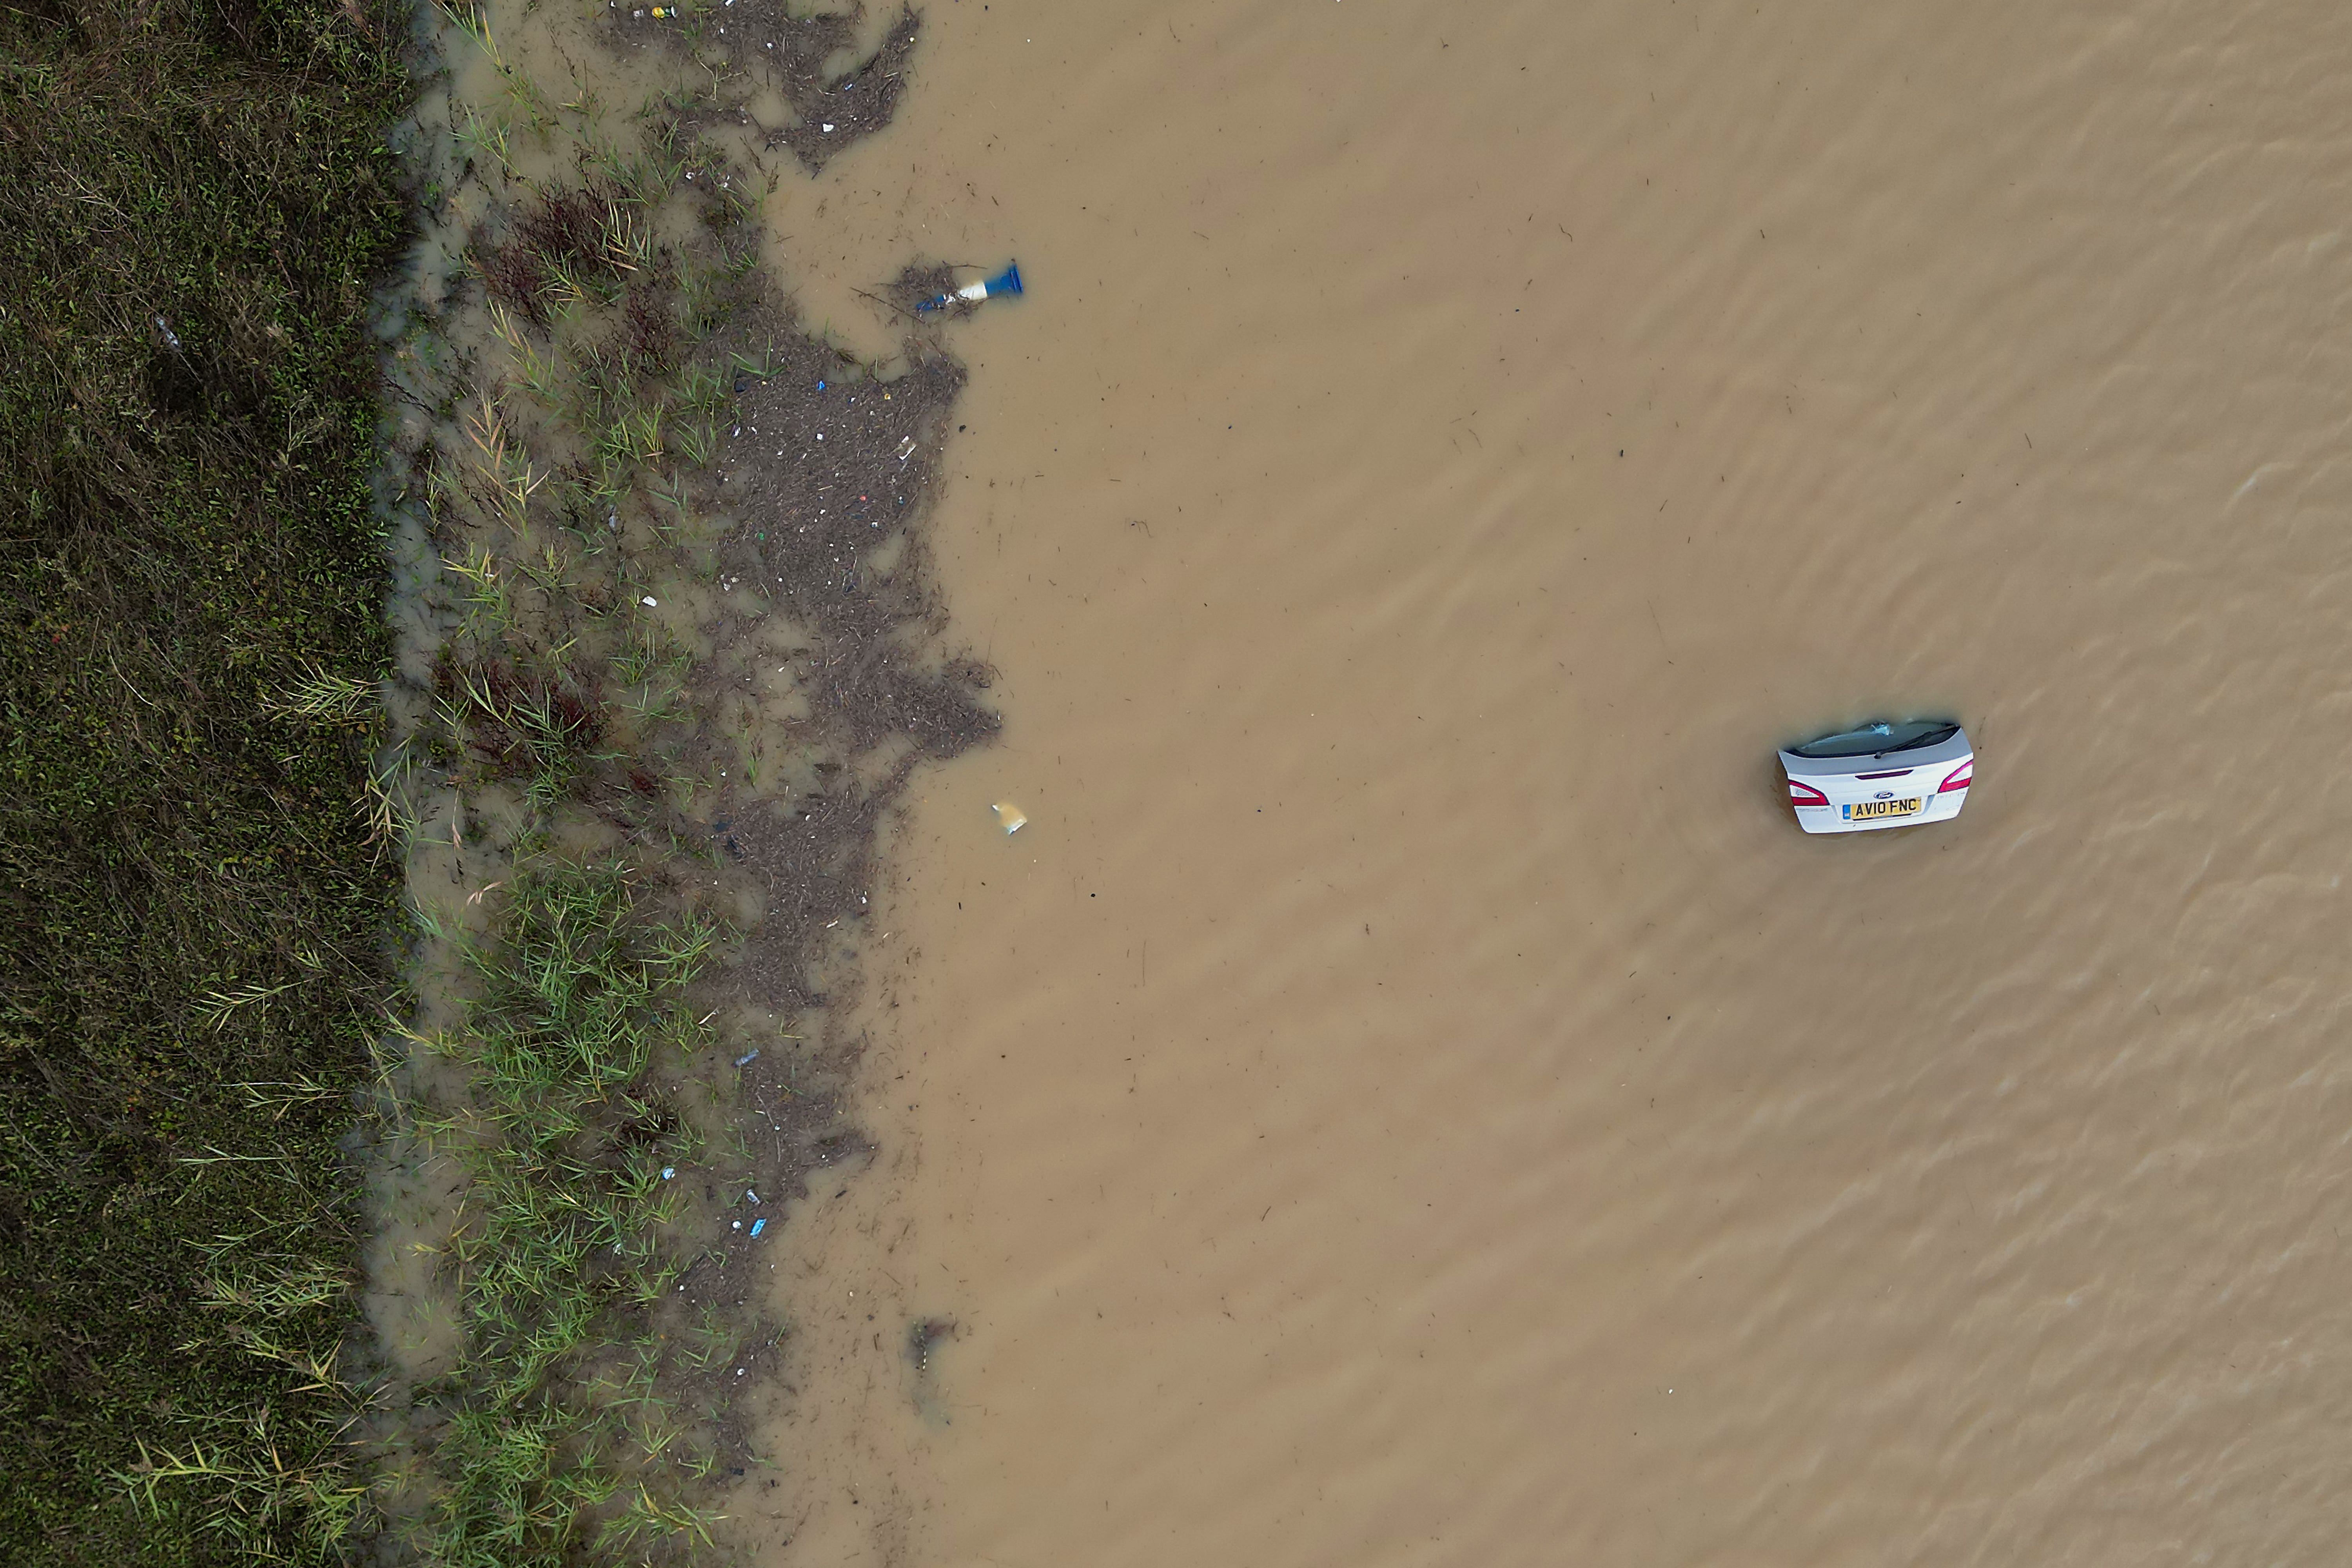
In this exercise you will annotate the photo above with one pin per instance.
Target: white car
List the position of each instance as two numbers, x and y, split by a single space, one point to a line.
1881 776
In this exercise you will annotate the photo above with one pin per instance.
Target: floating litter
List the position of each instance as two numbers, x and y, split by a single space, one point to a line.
1005 282
757 1225
1010 818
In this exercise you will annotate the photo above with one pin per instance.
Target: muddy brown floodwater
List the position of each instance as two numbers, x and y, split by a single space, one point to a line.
1411 1096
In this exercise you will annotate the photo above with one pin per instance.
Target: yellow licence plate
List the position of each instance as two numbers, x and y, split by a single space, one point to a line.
1872 810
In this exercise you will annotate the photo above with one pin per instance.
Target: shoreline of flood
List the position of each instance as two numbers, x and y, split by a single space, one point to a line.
668 653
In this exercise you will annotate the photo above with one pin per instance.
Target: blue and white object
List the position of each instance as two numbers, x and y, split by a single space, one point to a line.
1881 776
1005 282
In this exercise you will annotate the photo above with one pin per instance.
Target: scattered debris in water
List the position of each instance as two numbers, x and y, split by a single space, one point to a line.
923 1335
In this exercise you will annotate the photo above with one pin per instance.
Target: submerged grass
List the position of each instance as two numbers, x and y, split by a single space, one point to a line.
551 1435
193 200
580 380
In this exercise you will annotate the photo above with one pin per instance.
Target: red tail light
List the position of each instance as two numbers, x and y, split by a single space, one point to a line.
1805 794
1958 778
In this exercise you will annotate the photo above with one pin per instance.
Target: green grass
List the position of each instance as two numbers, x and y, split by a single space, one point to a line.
193 204
547 1443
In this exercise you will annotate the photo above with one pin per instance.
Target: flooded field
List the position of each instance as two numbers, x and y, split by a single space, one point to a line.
1410 1095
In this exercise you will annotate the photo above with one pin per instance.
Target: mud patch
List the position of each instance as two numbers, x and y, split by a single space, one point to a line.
761 51
828 471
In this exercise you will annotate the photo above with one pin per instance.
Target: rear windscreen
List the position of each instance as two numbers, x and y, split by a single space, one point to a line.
1877 739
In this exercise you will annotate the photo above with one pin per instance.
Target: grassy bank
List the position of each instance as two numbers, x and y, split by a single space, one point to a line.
194 203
